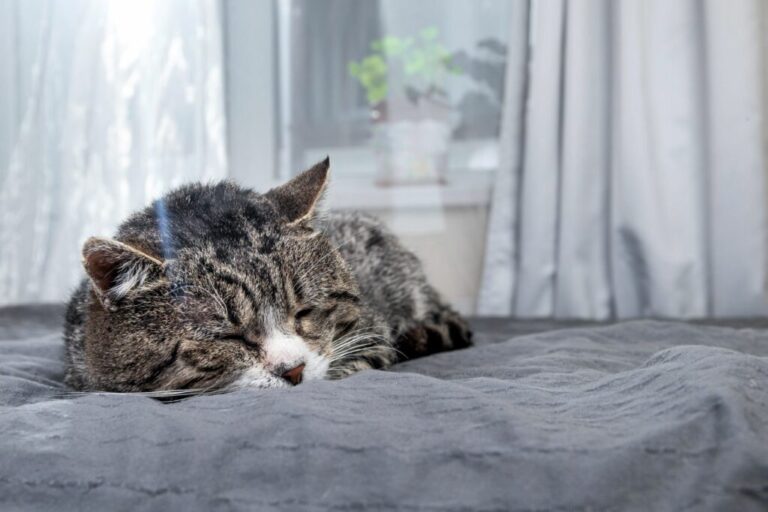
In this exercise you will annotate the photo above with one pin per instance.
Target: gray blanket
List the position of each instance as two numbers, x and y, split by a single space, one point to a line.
637 416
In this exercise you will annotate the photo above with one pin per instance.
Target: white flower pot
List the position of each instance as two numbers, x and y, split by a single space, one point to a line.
411 151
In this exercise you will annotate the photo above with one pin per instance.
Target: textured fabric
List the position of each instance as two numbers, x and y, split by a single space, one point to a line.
638 176
107 106
638 416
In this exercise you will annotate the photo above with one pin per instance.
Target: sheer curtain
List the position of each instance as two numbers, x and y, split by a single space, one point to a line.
634 173
107 105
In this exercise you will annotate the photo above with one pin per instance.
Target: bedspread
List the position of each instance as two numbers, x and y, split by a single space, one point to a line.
641 415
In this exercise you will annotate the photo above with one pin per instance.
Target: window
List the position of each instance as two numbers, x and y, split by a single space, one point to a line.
294 96
326 109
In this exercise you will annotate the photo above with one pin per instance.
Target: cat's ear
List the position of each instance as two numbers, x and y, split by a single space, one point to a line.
297 199
116 268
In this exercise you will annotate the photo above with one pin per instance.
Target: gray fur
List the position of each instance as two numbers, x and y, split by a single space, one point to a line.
198 291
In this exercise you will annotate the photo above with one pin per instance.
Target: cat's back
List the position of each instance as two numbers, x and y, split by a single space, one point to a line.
389 275
360 235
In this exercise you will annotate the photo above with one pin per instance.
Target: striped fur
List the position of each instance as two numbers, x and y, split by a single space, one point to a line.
216 287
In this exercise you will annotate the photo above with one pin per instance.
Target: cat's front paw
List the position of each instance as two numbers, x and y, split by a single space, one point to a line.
441 331
348 368
379 355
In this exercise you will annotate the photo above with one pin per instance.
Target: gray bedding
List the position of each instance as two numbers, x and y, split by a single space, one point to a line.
642 415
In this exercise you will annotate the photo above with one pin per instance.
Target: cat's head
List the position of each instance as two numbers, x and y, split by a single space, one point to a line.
217 286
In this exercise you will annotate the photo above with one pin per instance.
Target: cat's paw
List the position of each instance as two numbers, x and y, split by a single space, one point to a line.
458 331
441 331
376 356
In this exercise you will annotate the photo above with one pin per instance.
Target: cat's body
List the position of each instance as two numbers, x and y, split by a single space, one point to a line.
216 286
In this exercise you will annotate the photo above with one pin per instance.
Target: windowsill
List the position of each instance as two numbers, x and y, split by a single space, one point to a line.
468 180
461 190
468 189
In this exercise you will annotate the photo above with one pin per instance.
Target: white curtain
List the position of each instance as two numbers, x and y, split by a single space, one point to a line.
633 180
105 105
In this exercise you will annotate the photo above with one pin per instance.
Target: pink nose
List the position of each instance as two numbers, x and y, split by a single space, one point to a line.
294 375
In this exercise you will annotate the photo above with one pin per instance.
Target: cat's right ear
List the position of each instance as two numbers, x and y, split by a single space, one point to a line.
116 268
296 200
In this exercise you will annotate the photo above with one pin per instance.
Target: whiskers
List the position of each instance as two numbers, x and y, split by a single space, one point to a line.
163 395
361 344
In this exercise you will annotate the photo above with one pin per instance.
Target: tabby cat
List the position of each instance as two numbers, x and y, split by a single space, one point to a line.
217 287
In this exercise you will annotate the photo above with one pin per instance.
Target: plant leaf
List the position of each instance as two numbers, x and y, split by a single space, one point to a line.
429 33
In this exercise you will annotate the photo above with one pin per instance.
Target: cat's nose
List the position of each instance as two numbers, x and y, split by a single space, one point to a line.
294 375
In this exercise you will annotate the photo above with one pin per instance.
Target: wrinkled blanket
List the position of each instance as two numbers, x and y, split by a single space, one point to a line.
643 415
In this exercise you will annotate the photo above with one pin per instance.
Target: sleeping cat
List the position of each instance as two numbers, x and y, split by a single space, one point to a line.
218 287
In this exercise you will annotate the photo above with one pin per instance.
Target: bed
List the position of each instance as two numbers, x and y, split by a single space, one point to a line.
538 416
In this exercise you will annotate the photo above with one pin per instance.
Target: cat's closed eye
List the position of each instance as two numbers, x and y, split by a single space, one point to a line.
307 323
345 328
303 313
239 338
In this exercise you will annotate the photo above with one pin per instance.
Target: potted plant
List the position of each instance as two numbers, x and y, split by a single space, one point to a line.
412 116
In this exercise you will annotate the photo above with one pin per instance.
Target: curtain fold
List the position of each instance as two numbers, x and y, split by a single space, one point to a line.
642 186
499 271
117 102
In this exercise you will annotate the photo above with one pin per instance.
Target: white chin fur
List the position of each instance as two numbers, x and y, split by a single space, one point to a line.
258 378
316 368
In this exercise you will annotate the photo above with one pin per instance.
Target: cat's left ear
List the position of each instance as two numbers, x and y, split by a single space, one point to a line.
116 268
296 200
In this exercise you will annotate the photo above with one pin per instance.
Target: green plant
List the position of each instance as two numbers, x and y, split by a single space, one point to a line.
421 63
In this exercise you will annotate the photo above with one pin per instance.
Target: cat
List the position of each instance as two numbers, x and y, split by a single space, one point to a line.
217 287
